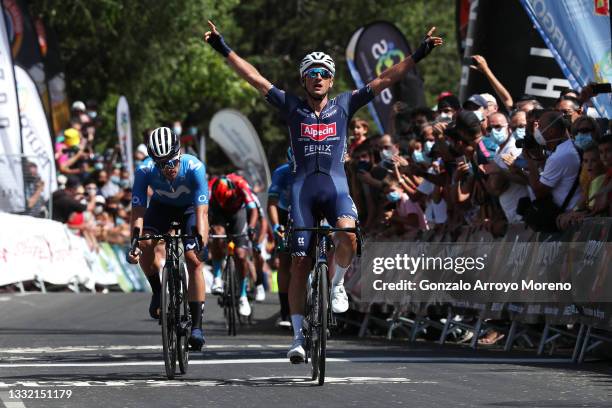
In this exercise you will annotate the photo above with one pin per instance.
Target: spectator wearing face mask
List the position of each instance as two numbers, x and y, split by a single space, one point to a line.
561 168
407 215
448 106
570 107
518 124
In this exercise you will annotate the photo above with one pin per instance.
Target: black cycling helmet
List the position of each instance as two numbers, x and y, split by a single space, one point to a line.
163 144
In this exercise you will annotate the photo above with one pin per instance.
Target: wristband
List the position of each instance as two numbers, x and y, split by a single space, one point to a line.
423 50
218 43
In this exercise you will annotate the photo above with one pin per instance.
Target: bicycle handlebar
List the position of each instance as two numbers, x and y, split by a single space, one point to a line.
327 229
136 238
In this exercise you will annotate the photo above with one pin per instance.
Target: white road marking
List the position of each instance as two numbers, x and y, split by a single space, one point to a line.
440 360
80 349
10 402
255 381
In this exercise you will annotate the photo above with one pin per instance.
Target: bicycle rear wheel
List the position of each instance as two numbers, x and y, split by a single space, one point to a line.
184 328
168 320
229 296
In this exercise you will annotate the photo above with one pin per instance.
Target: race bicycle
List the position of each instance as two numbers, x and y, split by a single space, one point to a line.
228 301
175 318
318 316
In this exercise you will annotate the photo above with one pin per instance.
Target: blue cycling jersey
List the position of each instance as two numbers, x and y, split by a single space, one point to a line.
190 186
319 142
281 186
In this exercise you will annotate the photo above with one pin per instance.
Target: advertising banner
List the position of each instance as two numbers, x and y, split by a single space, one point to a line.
371 50
577 32
502 33
36 139
238 139
12 197
124 131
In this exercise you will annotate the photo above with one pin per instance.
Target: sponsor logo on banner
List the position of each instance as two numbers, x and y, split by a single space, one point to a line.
602 7
318 131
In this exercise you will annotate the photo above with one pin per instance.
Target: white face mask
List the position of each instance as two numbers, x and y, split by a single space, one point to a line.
539 137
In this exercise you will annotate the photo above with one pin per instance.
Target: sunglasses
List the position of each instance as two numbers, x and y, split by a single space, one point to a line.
312 73
170 164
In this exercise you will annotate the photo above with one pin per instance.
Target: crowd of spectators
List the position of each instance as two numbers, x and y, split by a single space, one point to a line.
485 163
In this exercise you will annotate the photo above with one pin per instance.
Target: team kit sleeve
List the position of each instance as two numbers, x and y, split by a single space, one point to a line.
283 101
139 189
249 199
359 98
200 185
275 186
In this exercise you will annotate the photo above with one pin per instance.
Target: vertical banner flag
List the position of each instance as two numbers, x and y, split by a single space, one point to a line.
124 131
370 51
26 48
239 141
35 136
527 67
577 32
12 197
49 48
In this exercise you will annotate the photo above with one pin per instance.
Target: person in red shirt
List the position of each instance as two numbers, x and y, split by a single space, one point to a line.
233 209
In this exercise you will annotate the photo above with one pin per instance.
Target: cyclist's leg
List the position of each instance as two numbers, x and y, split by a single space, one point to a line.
302 216
196 293
340 207
156 220
283 276
237 225
217 247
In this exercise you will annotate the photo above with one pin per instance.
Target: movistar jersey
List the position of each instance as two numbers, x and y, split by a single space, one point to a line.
319 142
188 188
281 186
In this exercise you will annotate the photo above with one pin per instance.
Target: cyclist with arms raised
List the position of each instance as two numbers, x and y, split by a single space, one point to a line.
318 129
180 193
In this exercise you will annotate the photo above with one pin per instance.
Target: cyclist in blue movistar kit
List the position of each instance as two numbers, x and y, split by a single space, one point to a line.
279 201
180 193
318 131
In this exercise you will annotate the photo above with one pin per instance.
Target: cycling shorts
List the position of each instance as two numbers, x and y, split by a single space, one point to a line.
234 224
158 217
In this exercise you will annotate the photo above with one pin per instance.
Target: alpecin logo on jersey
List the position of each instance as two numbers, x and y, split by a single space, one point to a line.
318 132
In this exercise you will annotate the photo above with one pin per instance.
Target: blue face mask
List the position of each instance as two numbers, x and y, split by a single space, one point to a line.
583 140
124 183
429 145
115 179
177 130
418 156
394 196
519 133
499 136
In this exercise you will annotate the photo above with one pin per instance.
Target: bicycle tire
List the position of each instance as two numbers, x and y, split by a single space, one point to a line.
323 296
184 328
314 332
230 296
169 339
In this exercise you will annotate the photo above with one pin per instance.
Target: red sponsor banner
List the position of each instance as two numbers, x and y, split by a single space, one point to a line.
602 7
318 131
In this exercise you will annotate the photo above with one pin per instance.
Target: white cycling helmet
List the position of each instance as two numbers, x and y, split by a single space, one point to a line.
163 144
317 58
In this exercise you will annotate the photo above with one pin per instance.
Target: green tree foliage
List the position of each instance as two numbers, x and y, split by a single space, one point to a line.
152 52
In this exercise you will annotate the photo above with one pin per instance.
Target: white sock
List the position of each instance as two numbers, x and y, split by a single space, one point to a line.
338 278
296 321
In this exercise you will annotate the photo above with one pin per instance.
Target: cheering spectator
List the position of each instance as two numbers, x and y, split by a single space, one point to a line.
359 129
480 64
407 215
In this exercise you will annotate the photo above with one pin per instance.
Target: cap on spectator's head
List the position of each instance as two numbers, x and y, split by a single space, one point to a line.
72 182
142 149
449 101
444 95
61 181
73 137
489 98
474 102
79 106
467 121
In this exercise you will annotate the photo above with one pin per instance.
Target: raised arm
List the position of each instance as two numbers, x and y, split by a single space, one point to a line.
480 64
399 70
242 67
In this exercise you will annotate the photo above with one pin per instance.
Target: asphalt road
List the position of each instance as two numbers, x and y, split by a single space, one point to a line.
105 351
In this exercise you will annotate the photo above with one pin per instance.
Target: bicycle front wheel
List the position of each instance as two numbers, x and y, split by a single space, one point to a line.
322 298
229 296
184 317
168 320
